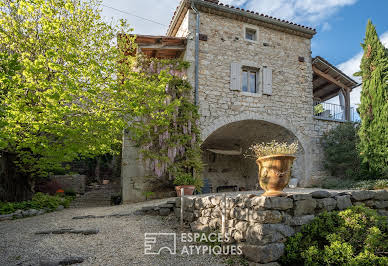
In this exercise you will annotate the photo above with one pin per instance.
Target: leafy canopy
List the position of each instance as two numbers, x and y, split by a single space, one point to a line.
58 91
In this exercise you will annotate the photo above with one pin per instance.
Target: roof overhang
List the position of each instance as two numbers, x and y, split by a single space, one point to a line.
162 47
247 16
328 80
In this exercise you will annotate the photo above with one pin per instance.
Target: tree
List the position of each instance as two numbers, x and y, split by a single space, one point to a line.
342 157
374 103
62 101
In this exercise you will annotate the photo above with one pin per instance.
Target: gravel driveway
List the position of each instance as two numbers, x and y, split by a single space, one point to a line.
120 240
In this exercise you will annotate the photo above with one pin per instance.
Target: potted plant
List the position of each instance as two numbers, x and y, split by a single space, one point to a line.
275 161
188 182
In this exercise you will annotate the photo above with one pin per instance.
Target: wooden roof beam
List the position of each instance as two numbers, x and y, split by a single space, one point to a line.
321 86
330 78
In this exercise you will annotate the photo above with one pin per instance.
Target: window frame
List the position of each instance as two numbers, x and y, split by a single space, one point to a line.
253 28
250 70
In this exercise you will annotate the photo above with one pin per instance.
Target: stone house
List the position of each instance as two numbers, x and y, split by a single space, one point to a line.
254 81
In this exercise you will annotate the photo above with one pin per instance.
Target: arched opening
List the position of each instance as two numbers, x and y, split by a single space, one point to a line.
226 167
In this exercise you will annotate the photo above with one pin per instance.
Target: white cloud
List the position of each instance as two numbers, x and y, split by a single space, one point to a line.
312 12
353 65
326 26
309 12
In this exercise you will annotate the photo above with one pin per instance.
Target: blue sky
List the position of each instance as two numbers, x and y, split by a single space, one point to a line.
340 23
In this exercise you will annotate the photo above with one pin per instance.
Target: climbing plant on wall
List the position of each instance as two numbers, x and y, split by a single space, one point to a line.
163 118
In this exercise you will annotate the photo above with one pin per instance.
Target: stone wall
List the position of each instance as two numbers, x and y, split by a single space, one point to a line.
76 182
319 172
262 224
289 106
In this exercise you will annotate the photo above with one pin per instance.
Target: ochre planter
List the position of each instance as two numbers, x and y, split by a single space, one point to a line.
188 190
275 173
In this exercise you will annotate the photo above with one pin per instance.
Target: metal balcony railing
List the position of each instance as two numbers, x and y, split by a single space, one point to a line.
331 111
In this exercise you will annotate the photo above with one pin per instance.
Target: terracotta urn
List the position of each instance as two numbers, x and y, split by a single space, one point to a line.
187 189
275 173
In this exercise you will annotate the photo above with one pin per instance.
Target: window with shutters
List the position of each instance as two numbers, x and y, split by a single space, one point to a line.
249 80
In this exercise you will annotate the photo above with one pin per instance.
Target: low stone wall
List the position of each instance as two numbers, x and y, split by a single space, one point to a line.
261 224
75 182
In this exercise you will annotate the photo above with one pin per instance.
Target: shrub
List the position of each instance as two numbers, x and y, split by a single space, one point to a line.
38 201
347 183
342 157
188 179
356 236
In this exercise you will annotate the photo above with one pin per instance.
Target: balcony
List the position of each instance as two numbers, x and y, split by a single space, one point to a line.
335 112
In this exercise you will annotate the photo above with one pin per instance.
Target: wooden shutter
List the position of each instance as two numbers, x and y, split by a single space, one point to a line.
267 81
235 76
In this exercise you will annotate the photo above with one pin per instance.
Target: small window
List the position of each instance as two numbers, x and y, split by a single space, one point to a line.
249 81
250 34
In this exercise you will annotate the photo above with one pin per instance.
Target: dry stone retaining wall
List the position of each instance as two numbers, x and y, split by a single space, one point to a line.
260 224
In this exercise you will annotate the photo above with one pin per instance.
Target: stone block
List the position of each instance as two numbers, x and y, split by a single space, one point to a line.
203 220
166 205
320 194
298 220
164 211
215 223
304 207
300 196
326 204
343 202
381 195
361 195
206 212
5 217
216 200
189 203
260 234
241 226
240 214
238 236
266 216
263 254
276 203
216 213
383 212
198 227
381 204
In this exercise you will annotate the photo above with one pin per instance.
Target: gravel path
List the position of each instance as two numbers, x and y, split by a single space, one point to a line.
120 240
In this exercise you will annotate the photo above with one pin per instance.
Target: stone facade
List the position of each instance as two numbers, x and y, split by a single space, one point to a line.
285 115
262 224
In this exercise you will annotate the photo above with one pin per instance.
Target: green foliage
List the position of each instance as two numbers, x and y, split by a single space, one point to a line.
342 158
38 201
318 109
374 103
148 194
188 179
349 183
58 89
356 236
163 119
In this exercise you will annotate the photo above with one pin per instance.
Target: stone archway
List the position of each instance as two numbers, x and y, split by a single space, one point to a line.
239 132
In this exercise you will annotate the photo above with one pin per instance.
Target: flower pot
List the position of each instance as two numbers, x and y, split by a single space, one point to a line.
274 173
188 190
